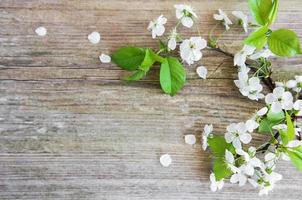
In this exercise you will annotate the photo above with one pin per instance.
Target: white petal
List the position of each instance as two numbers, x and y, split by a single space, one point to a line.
213 187
291 83
248 49
190 139
278 92
269 156
105 58
234 178
236 143
251 125
202 72
229 137
269 99
276 107
229 157
294 143
242 180
41 31
94 37
218 17
245 138
172 44
298 105
262 111
208 129
165 160
187 22
253 182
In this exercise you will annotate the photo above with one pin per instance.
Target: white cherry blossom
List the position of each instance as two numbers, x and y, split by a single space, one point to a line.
280 99
249 87
190 49
240 57
239 177
270 160
185 14
251 125
215 185
222 16
243 19
269 182
298 105
207 130
157 26
237 133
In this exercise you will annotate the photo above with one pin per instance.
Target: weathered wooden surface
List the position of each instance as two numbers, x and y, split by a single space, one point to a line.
70 129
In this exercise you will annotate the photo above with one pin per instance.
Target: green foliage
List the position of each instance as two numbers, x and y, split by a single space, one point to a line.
148 61
257 38
220 169
172 75
266 125
275 117
129 58
218 146
295 155
137 75
284 42
264 11
290 127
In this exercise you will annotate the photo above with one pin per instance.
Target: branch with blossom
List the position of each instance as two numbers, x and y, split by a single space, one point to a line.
233 158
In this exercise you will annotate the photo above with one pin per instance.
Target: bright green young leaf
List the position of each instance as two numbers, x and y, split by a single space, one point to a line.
295 155
284 42
137 75
218 146
128 58
290 127
258 38
148 61
221 169
266 125
275 117
172 75
261 11
274 12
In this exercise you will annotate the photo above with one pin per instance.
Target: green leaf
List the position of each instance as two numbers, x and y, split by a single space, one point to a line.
284 42
295 155
148 61
220 169
172 75
137 75
218 146
274 11
261 11
275 117
258 38
266 125
128 58
290 127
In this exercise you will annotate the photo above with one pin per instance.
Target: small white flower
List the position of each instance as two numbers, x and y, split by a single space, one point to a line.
157 26
190 139
94 37
105 58
222 16
185 14
243 19
202 72
265 53
41 31
190 49
165 160
240 57
172 43
250 88
269 182
207 130
251 162
280 99
270 160
215 185
239 177
262 111
237 133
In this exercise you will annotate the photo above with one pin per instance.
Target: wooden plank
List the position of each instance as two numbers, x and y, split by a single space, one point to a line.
70 129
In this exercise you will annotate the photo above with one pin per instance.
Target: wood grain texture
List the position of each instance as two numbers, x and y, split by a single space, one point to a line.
70 129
